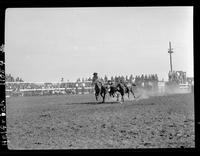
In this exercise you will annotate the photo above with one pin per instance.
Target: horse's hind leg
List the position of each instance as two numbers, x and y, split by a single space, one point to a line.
133 93
96 95
103 96
117 97
122 98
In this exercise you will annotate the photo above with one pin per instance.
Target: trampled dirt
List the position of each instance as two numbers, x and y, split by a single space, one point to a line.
79 122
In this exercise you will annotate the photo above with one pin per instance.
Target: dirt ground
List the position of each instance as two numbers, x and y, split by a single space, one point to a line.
78 122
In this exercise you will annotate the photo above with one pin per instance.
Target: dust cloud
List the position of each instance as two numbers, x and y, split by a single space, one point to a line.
142 93
145 94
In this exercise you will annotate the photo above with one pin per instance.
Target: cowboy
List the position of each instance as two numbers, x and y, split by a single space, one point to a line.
94 78
99 87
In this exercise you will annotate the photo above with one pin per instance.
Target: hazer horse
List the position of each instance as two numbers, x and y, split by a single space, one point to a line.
100 89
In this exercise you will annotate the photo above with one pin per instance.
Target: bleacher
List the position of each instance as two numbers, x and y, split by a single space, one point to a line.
44 88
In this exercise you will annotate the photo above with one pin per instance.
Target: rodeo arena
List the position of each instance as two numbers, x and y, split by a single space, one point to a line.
129 111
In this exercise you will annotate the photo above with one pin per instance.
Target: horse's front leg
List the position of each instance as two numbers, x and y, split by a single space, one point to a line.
113 94
110 93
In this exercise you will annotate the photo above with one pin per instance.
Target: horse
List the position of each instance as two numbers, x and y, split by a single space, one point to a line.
130 89
112 90
100 89
121 88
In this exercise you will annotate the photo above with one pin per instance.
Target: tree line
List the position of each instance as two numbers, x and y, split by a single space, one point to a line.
131 78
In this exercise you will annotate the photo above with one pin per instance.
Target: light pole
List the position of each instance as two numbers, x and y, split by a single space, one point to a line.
170 53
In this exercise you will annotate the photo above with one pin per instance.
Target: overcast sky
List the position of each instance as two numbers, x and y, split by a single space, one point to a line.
45 44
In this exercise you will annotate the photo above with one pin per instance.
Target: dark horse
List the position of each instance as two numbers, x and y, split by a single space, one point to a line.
112 90
130 89
123 89
100 89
